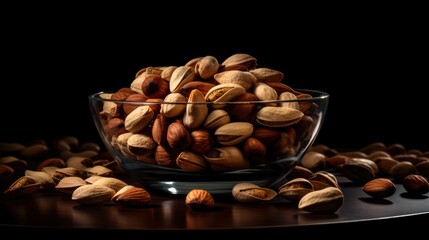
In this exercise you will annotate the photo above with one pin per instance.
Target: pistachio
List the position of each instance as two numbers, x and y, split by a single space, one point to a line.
265 93
167 72
174 105
111 182
216 118
224 93
278 116
358 171
203 87
69 184
289 100
233 133
242 78
226 158
180 76
264 75
326 200
99 170
44 179
24 185
91 194
196 112
249 192
207 67
293 190
323 179
138 119
191 162
141 144
243 59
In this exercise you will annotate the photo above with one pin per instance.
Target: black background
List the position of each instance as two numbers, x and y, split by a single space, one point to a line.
372 61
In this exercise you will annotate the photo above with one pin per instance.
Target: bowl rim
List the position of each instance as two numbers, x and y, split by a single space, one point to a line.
321 95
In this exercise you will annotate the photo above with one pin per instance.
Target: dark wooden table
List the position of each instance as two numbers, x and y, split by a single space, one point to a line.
44 212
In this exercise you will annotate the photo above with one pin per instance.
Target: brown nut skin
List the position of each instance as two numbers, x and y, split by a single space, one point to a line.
416 184
379 188
199 199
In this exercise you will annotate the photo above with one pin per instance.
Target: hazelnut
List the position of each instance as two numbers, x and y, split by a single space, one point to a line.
155 87
202 141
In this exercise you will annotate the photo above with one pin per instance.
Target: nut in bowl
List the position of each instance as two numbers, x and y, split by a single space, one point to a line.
181 132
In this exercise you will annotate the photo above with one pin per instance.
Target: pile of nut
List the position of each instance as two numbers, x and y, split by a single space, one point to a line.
89 175
83 171
188 124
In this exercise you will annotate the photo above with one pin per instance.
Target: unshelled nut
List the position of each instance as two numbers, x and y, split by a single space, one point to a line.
199 199
416 184
379 188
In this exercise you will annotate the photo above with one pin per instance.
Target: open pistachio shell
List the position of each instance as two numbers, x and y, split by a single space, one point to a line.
226 158
249 192
233 133
278 116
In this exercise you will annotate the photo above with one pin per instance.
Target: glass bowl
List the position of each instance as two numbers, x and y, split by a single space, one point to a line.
209 145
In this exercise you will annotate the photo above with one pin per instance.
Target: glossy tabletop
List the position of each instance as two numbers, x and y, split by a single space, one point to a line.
168 214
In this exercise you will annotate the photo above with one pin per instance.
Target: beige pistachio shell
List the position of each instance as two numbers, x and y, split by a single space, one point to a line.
278 116
206 67
216 118
242 78
99 170
226 158
289 100
224 93
326 200
169 109
246 60
69 184
195 114
111 182
180 76
24 185
191 162
233 133
139 118
295 189
267 74
249 192
92 194
46 181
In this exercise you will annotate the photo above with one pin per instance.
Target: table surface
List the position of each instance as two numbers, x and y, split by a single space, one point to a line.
169 214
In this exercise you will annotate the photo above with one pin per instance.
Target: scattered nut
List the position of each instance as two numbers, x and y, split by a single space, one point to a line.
199 199
416 184
379 188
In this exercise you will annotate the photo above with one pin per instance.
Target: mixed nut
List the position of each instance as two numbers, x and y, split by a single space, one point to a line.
208 115
90 176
